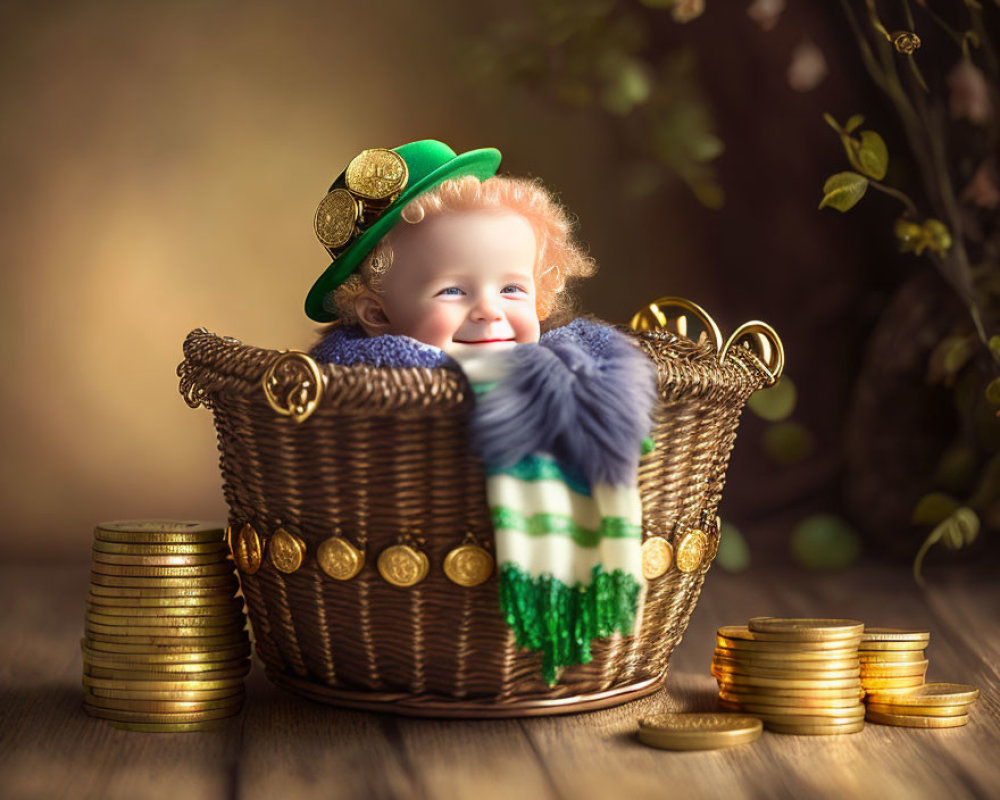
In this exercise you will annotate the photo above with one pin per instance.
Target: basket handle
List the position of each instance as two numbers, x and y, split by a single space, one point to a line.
770 353
653 318
293 385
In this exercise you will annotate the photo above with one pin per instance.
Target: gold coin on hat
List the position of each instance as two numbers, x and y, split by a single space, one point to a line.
816 729
286 551
930 694
896 635
151 531
704 731
147 716
924 711
339 559
691 550
916 721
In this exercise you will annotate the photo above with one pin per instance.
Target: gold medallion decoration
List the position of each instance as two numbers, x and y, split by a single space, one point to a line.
293 385
339 559
657 556
691 550
335 218
402 565
286 550
377 174
468 565
246 549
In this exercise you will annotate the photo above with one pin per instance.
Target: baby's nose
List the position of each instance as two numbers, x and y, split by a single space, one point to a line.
487 309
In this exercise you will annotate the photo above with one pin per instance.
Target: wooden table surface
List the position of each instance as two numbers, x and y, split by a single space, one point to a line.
283 746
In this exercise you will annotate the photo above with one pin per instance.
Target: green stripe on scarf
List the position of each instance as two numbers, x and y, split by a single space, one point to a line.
559 620
542 468
540 524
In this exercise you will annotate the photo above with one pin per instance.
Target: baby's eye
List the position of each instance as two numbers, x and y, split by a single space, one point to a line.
451 290
513 288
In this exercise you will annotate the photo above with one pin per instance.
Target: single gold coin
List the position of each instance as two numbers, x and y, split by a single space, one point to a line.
170 727
874 685
691 550
805 629
185 668
230 608
286 551
193 642
163 706
339 559
168 685
335 218
148 716
811 659
376 174
468 565
189 591
816 729
742 699
159 675
930 694
189 696
178 631
851 717
210 656
737 637
915 635
402 565
247 550
735 692
141 562
922 711
224 581
158 531
880 647
225 622
657 556
730 667
850 683
764 709
890 656
217 549
206 571
893 670
916 721
186 648
704 731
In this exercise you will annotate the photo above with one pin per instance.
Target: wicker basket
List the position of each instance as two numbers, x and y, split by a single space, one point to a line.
379 457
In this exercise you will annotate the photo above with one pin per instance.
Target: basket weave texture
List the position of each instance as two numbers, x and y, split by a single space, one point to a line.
384 460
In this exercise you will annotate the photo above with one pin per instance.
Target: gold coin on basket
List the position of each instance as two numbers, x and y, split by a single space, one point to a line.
930 694
402 565
698 731
246 549
468 565
916 721
339 559
805 629
657 556
286 551
691 551
157 531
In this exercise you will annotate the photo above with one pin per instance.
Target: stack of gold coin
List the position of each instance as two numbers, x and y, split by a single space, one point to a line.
799 676
932 705
892 658
165 647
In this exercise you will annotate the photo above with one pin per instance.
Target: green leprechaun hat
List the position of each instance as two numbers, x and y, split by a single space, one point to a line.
367 198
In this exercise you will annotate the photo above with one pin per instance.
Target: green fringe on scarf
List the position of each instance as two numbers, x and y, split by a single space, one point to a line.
559 620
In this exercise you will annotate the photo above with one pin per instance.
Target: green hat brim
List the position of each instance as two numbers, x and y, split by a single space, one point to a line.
482 164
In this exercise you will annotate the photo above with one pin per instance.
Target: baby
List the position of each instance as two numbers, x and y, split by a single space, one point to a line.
438 260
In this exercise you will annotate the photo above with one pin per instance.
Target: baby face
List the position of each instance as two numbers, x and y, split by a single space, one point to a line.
463 281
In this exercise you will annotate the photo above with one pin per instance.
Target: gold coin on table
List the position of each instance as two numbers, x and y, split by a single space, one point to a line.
736 637
843 716
230 607
157 531
142 562
917 721
189 591
226 581
177 631
881 647
743 699
207 571
657 556
286 551
187 696
246 548
168 668
807 659
873 685
147 716
339 559
816 729
158 675
896 635
791 683
226 621
209 656
161 685
728 667
163 706
691 551
402 565
819 695
892 670
930 694
185 648
217 549
806 629
891 656
923 711
698 731
191 642
765 711
468 565
170 727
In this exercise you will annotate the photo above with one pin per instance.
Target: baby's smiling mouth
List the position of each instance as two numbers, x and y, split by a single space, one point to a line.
481 341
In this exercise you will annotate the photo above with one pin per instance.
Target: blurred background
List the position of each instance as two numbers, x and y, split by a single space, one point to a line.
162 164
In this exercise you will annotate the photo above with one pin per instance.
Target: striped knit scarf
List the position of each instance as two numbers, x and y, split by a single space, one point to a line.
559 426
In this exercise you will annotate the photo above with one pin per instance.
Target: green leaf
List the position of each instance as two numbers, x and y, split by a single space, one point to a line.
995 347
825 542
873 155
993 391
787 442
933 508
734 552
843 190
854 123
960 528
828 118
776 403
957 354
